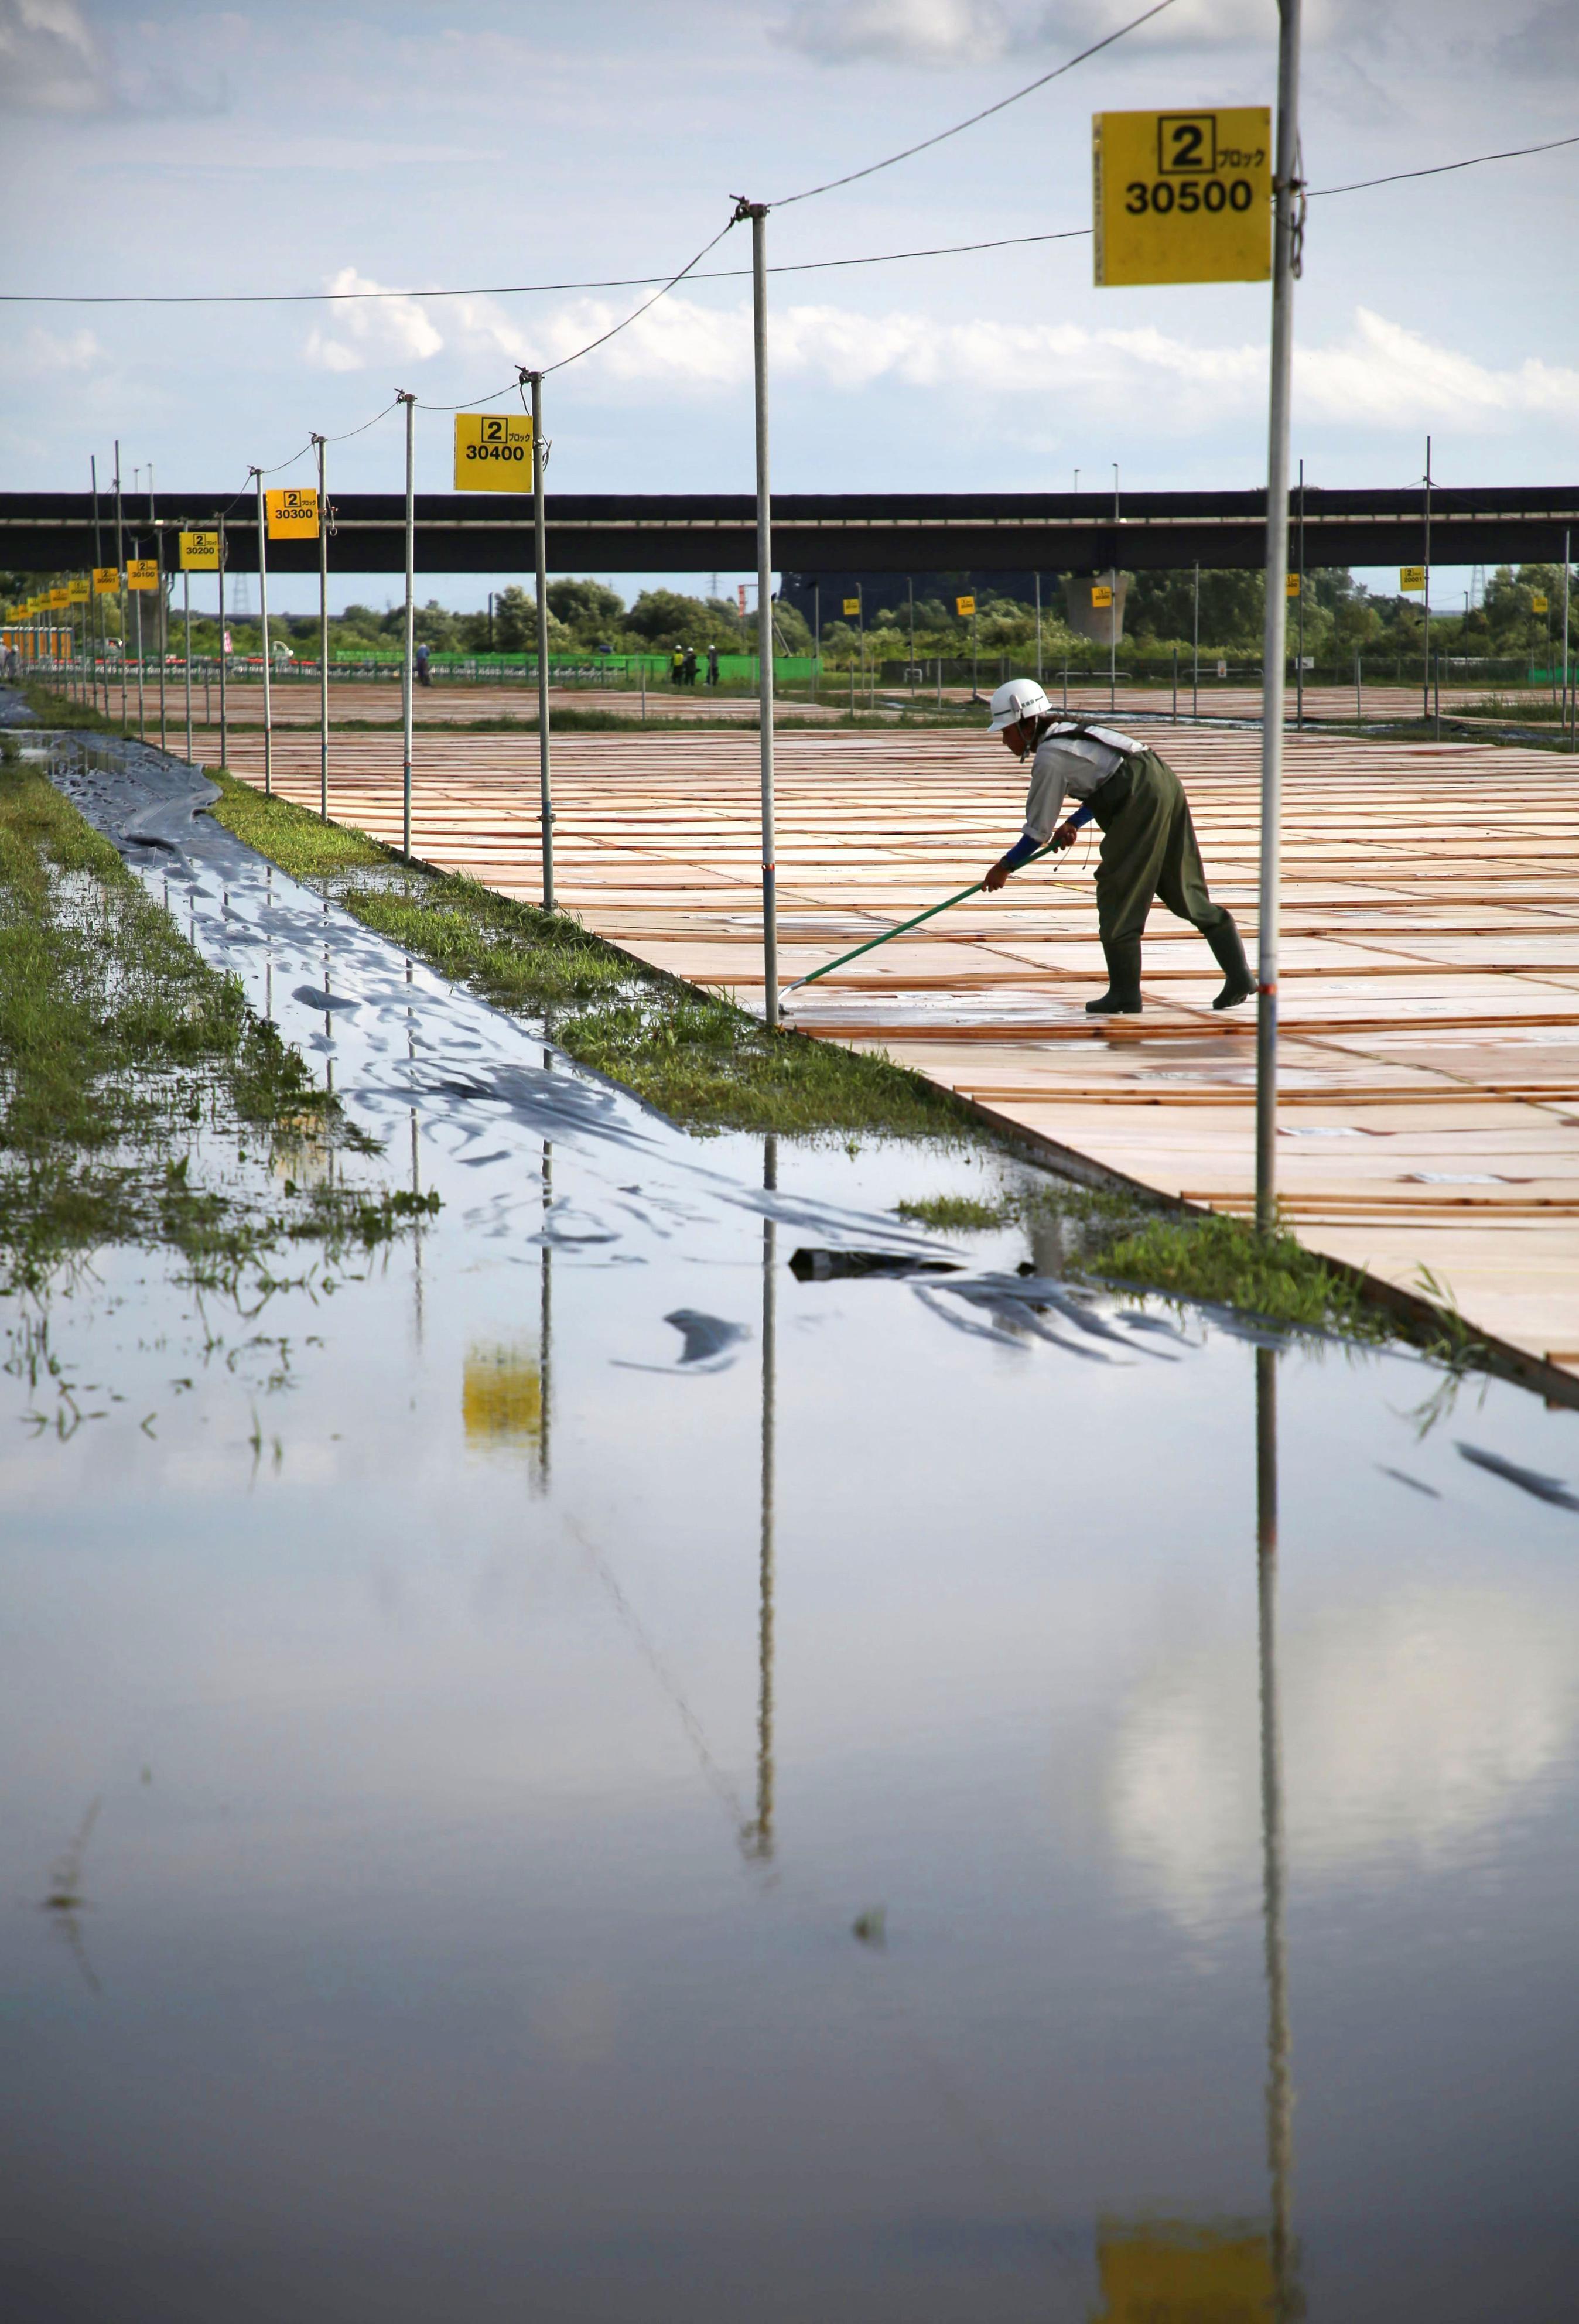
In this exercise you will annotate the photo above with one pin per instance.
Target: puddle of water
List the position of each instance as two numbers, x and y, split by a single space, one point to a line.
592 1774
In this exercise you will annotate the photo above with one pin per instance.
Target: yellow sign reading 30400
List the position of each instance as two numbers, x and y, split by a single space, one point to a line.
492 452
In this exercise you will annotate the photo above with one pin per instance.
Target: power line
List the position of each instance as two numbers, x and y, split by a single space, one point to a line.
508 290
986 115
1441 169
712 275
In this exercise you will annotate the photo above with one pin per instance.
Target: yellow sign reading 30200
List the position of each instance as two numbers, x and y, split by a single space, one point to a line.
492 452
1183 196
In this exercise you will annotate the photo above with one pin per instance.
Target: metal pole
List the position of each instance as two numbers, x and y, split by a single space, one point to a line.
1039 628
758 215
407 659
120 591
1112 611
98 654
224 657
263 628
137 611
1426 661
910 591
1566 543
1299 611
323 639
1437 694
1289 224
186 624
1195 672
540 534
1176 685
163 631
1358 695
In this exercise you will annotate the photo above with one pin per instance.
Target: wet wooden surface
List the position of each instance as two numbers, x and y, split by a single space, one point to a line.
1430 984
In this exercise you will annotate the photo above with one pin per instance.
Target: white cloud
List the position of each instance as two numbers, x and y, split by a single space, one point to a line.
49 62
1380 374
906 31
380 330
1410 1726
42 354
1388 376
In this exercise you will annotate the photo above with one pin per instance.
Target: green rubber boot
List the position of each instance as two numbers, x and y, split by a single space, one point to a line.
1229 952
1123 997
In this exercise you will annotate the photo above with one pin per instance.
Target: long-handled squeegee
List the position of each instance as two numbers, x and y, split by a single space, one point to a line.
930 913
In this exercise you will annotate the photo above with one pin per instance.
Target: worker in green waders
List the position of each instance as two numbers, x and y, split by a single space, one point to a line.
1148 840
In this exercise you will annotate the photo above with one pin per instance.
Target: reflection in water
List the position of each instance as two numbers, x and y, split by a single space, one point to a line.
1279 2063
1172 2271
502 1397
1169 2271
757 1836
545 1312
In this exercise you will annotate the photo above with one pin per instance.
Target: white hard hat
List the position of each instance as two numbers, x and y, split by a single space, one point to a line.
1022 697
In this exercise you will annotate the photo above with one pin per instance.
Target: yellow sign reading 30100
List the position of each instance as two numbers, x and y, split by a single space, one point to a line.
492 452
1183 196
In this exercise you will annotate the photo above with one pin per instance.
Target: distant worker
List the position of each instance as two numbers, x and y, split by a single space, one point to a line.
712 665
1148 846
676 667
423 678
691 666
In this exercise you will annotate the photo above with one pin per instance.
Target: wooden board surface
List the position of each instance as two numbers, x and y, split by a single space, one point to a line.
1430 989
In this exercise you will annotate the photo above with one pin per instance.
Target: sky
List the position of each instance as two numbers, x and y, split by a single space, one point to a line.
180 148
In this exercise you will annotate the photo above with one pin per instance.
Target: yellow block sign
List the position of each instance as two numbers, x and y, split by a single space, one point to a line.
199 552
964 607
1538 605
142 572
292 514
59 599
851 605
492 452
1183 196
1291 588
107 580
1411 576
77 593
1101 594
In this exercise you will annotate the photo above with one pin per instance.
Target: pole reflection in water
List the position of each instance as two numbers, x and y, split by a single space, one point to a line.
416 1181
1279 2070
546 1315
758 1836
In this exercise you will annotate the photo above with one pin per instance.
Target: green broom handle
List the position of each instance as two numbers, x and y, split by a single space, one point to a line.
931 912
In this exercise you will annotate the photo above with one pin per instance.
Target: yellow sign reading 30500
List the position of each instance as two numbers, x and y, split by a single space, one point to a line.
492 452
1183 196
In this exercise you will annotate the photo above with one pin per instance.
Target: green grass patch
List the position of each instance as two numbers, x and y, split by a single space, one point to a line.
62 710
964 1213
121 1052
697 1058
1224 1262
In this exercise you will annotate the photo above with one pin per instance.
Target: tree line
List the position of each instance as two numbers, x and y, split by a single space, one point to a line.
1340 619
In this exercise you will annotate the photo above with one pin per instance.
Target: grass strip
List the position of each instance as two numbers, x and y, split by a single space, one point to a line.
121 1055
1219 1260
697 1058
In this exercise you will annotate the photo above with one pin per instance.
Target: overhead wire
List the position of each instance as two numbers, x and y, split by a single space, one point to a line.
908 152
1442 169
713 274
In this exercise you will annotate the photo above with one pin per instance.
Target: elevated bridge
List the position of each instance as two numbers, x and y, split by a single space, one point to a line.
821 533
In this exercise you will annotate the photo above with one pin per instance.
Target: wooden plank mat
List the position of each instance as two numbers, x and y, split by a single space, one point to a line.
1430 999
